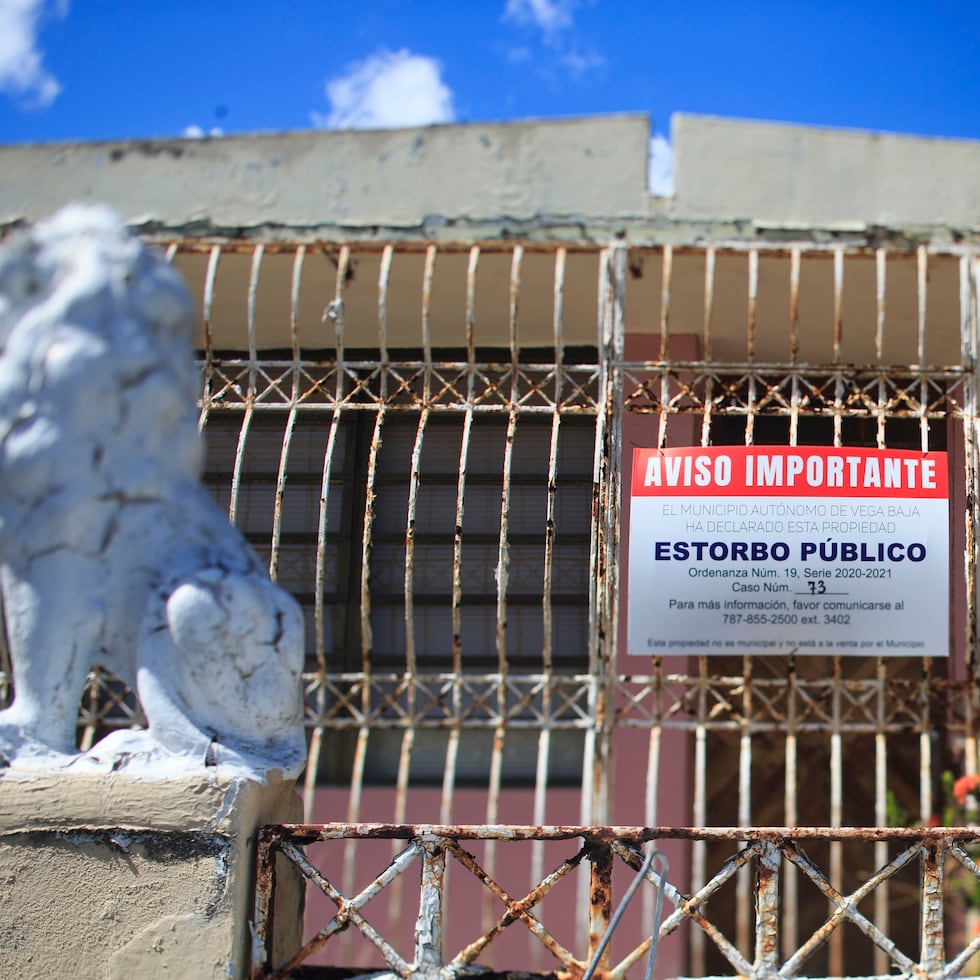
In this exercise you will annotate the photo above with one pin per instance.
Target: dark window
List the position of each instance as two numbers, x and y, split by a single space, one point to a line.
529 642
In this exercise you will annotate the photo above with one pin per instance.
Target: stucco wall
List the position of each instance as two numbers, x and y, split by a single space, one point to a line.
573 180
114 876
397 178
802 175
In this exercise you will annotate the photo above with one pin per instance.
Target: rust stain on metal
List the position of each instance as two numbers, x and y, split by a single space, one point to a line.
265 863
308 833
767 908
600 894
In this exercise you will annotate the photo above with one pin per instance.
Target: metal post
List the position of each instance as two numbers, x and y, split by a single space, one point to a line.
933 954
428 927
265 884
600 903
767 910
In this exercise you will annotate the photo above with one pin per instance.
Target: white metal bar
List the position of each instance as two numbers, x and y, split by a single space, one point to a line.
449 773
751 315
335 313
452 746
297 277
547 612
410 520
606 585
207 316
665 294
838 302
384 279
743 904
795 262
970 344
253 285
881 280
396 904
667 275
882 903
922 292
517 260
428 276
708 331
790 934
699 850
709 300
881 271
836 944
471 269
366 542
753 287
502 576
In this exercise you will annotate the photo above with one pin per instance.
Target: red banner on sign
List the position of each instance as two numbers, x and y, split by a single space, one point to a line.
778 471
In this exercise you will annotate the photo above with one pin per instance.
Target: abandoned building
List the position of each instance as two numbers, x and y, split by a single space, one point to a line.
427 357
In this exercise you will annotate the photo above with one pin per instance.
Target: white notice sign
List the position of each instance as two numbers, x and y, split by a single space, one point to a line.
778 550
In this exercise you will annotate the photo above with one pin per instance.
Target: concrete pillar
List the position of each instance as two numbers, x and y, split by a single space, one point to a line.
110 875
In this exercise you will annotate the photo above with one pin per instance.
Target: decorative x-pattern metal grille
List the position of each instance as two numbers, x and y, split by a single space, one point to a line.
940 949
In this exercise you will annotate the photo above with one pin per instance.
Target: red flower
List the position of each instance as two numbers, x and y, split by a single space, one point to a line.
964 786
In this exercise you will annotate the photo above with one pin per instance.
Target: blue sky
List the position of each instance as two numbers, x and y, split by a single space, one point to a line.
109 69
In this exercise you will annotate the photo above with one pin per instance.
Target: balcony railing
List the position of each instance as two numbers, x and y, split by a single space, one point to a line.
934 857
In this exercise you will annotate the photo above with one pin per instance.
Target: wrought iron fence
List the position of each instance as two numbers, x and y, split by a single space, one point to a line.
427 444
938 948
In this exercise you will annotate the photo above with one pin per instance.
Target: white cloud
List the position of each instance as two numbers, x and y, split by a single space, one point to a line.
550 16
195 132
388 90
552 19
660 173
22 72
578 63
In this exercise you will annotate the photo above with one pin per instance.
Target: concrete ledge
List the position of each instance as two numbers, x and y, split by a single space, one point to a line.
392 178
569 180
111 876
812 177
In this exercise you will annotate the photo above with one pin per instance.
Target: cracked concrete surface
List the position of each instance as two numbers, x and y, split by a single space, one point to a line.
119 876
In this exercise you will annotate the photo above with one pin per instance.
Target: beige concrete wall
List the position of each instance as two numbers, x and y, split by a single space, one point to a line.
575 179
391 178
810 176
118 877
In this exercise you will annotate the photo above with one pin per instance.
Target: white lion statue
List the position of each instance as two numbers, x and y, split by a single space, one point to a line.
111 552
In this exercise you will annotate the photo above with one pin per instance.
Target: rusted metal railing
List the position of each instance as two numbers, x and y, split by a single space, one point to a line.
934 853
427 443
